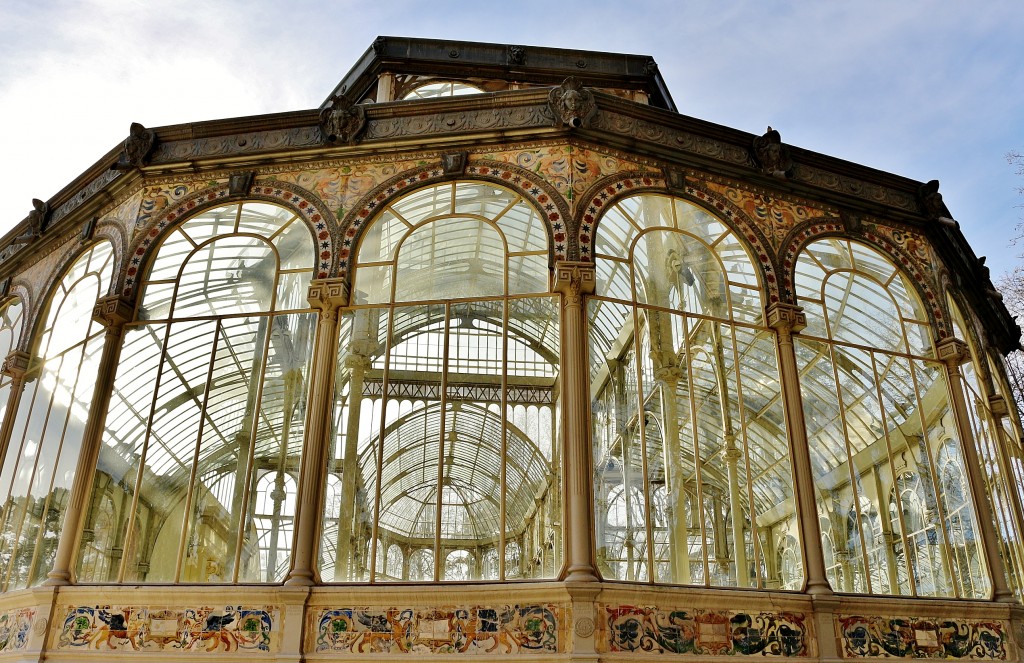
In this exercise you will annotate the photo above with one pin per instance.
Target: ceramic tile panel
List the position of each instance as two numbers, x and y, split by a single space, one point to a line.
14 629
502 629
922 637
659 630
233 628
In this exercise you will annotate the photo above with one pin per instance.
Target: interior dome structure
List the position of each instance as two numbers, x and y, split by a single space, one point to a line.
497 354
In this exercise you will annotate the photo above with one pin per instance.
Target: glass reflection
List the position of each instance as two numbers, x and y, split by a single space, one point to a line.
885 453
52 408
692 477
445 436
200 455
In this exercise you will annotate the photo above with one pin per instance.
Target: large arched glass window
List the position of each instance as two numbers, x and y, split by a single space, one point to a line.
1000 453
205 426
42 452
876 405
691 458
446 394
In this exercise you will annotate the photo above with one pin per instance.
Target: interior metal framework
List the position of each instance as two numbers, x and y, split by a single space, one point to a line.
497 353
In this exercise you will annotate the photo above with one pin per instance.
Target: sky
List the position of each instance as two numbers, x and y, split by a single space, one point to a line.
924 89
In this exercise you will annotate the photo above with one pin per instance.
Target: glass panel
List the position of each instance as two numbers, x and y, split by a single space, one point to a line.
458 257
194 481
46 435
444 89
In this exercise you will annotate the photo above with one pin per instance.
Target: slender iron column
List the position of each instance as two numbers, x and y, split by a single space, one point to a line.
787 319
575 280
112 312
327 296
953 352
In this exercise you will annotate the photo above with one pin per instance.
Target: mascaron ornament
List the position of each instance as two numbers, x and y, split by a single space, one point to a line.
343 120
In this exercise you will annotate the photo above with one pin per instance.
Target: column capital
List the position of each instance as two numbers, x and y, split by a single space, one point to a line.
573 278
997 404
113 311
327 294
785 317
668 375
16 364
952 351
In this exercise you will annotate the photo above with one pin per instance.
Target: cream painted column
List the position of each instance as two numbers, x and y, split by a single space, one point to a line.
953 352
787 319
575 280
327 296
112 312
679 535
357 364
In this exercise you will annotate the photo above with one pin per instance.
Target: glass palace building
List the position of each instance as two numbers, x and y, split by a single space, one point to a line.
497 354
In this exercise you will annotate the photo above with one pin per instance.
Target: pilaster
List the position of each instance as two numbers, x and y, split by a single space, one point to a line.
327 296
574 281
786 320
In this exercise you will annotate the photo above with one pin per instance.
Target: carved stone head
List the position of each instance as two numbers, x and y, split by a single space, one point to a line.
772 155
342 121
572 104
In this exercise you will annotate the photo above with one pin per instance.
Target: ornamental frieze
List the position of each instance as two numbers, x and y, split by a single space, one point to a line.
661 630
775 216
244 630
922 637
472 629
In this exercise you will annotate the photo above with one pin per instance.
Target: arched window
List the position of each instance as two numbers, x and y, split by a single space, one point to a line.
445 434
42 452
438 89
692 474
205 424
999 451
877 410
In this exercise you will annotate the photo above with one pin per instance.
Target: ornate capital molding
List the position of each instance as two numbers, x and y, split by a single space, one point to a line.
668 375
328 294
997 404
785 317
113 311
16 364
953 351
573 279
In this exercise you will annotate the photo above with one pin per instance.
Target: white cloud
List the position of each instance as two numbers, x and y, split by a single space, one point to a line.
923 88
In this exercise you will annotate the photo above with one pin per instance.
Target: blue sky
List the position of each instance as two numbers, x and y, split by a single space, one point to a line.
928 90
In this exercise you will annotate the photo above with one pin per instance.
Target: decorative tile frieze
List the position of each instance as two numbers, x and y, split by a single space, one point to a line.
922 637
245 630
308 207
502 629
14 629
773 215
532 188
659 630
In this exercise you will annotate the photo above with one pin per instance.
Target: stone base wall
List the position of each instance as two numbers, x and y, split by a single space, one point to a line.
537 621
